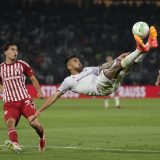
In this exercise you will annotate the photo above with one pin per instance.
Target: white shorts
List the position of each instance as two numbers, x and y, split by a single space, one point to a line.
105 86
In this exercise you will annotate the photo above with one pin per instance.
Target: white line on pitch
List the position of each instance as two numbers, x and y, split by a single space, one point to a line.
96 149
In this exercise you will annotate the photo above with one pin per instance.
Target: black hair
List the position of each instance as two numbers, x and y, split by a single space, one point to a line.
7 45
68 58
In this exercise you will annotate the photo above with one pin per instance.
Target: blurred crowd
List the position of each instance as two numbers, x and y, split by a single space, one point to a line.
47 33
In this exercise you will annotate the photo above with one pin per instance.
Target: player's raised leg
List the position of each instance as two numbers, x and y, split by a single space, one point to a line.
140 51
137 56
129 60
121 64
125 61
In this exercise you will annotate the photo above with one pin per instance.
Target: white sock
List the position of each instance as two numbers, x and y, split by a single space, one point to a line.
140 58
129 60
117 101
106 103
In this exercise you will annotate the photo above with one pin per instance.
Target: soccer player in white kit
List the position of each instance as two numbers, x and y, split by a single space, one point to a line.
104 79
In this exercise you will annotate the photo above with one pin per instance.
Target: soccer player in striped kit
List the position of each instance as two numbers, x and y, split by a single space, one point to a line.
16 99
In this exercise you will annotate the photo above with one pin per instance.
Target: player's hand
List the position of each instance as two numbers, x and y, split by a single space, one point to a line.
40 95
157 83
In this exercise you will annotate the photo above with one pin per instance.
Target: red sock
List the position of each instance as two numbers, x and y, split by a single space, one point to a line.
13 137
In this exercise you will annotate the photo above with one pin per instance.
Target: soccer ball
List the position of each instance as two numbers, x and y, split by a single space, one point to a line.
140 29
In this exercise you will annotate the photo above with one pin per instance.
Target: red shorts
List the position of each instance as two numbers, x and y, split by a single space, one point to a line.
14 110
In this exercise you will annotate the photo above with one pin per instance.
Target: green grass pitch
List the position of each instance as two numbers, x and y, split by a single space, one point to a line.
84 130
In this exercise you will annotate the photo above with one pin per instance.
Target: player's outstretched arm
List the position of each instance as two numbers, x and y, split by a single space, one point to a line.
50 100
158 80
37 86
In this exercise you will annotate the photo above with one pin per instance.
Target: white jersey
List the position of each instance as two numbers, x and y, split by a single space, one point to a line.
85 82
91 81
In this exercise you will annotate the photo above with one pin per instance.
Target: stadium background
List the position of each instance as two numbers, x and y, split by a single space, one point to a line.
47 31
81 129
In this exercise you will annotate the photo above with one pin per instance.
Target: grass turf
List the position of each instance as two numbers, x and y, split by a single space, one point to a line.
134 129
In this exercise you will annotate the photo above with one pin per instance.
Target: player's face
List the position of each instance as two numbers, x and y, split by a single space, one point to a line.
12 52
75 64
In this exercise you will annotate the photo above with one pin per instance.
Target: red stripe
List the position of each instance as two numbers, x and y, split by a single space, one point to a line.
9 84
14 94
6 84
14 81
23 82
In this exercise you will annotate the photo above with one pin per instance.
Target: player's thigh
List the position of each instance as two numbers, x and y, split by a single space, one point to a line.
104 84
28 108
11 112
119 80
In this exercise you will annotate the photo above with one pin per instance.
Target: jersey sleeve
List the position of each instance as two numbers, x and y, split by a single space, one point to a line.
65 86
28 71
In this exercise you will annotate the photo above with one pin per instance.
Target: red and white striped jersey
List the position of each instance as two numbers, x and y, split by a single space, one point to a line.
12 77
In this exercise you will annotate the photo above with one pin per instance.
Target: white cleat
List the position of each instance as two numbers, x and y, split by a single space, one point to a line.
13 146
